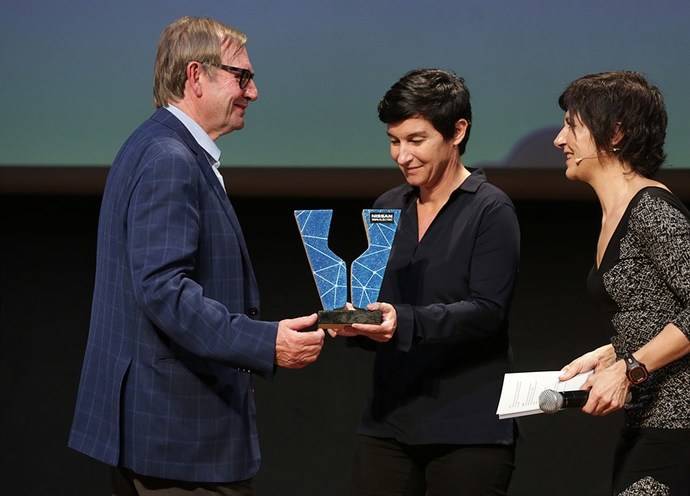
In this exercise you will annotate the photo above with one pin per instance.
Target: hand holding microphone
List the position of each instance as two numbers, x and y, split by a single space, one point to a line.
604 392
607 386
551 401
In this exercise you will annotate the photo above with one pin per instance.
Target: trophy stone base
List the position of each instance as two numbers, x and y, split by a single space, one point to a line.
342 317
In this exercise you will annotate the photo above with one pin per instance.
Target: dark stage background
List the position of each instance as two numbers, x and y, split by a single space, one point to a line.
306 417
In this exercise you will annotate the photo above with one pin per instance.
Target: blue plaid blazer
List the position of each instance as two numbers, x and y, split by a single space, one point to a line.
166 386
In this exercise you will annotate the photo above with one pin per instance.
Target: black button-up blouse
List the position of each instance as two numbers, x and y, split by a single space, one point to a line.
439 379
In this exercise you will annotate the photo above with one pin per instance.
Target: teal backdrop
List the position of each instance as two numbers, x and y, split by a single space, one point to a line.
77 75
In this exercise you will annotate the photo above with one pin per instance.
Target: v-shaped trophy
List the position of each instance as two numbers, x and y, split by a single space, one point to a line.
329 270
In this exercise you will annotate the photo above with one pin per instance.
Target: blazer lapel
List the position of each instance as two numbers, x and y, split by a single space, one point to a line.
203 160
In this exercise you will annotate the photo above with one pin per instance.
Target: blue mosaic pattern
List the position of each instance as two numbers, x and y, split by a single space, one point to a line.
367 270
328 269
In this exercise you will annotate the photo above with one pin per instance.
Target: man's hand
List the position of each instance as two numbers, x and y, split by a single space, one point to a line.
295 349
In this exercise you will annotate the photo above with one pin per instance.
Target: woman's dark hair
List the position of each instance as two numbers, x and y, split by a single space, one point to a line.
436 95
612 103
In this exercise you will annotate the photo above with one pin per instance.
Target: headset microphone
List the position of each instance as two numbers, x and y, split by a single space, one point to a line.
580 159
615 149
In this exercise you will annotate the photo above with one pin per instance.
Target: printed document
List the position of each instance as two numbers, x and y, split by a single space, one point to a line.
520 393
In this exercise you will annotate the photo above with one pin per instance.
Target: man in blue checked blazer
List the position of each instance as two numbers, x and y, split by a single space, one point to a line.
166 392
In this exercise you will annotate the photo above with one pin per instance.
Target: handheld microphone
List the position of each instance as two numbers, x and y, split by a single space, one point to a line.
551 401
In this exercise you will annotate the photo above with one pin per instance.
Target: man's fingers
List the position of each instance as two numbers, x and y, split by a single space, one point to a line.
302 322
299 359
299 349
306 338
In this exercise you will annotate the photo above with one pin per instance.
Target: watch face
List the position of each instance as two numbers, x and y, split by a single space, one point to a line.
637 375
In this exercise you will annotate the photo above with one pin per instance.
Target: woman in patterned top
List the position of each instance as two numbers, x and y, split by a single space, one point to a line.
613 137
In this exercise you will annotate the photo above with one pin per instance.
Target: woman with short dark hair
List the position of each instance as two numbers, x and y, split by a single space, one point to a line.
430 425
613 137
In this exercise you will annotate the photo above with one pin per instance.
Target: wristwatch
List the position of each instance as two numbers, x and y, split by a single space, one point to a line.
635 371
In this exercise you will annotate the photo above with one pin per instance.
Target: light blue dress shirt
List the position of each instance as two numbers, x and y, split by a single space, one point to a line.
201 137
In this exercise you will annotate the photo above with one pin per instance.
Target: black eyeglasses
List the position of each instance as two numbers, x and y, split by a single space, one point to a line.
244 75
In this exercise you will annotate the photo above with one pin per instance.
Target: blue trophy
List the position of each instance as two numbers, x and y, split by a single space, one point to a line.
329 270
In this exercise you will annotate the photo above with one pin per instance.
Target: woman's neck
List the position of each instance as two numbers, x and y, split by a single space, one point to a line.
616 185
454 175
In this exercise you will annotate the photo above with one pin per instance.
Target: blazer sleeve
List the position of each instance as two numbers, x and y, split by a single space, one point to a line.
162 235
484 313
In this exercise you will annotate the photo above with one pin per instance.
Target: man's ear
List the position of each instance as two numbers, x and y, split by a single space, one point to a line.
193 71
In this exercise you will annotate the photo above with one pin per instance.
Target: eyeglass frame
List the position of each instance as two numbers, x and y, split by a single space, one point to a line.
244 76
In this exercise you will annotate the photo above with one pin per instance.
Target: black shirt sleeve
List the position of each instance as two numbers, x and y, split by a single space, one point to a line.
490 280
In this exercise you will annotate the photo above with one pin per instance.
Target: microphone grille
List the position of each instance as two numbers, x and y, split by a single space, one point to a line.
550 401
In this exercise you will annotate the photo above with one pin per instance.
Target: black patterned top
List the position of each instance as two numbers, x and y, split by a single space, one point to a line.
643 283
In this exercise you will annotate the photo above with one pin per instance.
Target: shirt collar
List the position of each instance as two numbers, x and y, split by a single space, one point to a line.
471 184
473 181
198 133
